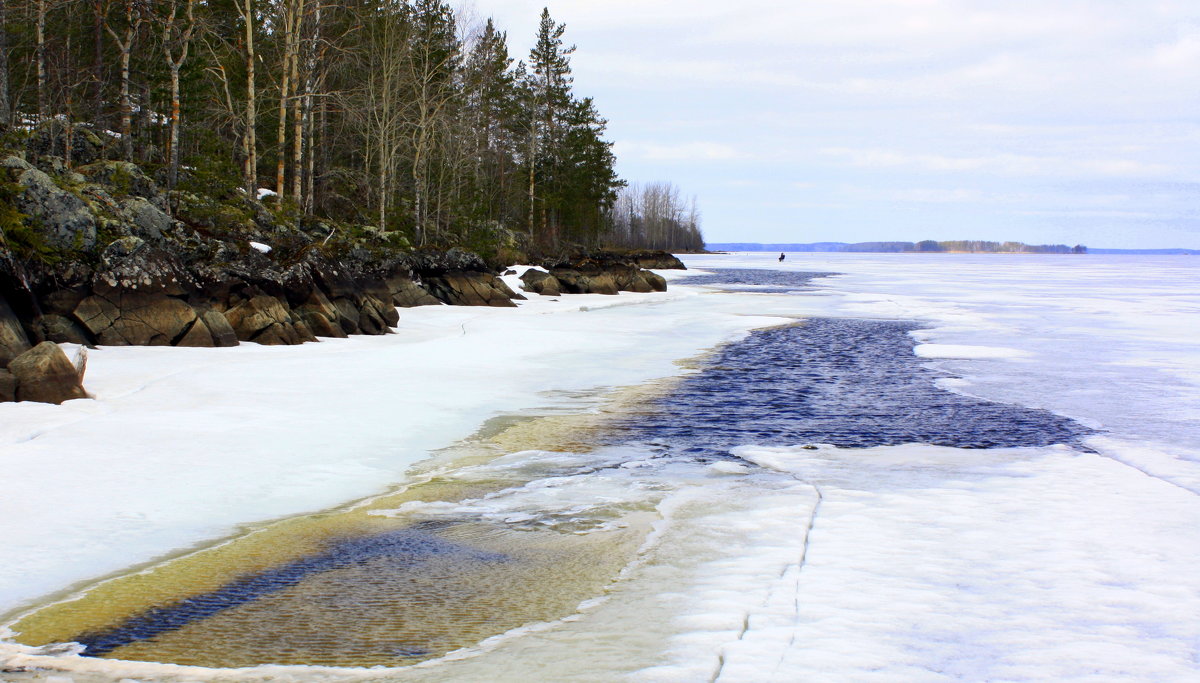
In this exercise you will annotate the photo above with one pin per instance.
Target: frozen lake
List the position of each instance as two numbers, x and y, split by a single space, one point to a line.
925 467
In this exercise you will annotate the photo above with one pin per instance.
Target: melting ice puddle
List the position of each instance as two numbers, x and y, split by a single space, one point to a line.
483 545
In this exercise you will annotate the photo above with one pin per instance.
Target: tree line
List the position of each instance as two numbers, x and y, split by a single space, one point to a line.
393 113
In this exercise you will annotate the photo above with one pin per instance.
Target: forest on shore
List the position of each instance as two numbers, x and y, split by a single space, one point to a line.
397 118
923 247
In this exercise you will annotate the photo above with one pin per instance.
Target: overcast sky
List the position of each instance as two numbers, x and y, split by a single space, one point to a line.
1059 121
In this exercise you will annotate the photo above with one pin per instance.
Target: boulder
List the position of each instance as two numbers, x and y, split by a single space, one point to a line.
62 219
662 260
146 220
407 294
124 179
124 317
197 336
50 139
8 386
371 318
60 329
13 340
44 374
321 316
133 263
541 282
347 315
469 289
502 287
264 319
657 282
576 282
220 329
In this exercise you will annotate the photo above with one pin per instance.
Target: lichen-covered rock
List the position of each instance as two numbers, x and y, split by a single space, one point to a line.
124 179
540 282
8 386
62 219
50 139
44 374
133 263
145 220
13 340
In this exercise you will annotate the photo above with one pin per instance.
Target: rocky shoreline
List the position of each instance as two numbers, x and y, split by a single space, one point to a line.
100 254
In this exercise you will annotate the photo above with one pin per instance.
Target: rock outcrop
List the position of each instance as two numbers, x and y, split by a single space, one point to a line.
45 374
598 272
97 252
13 340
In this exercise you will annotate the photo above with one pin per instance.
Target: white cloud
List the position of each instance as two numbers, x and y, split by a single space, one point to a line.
686 151
1003 164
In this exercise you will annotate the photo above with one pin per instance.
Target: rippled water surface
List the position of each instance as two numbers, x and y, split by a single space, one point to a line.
850 383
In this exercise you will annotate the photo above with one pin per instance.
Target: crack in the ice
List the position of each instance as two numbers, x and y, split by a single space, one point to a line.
799 565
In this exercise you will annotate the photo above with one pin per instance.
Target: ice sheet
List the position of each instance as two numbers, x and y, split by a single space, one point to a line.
899 563
180 446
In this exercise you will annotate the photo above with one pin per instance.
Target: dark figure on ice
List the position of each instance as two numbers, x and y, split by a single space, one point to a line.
781 257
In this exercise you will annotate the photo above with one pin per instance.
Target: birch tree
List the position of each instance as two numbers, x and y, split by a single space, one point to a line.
177 31
123 33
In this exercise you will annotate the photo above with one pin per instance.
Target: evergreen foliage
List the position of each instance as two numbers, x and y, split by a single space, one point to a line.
379 112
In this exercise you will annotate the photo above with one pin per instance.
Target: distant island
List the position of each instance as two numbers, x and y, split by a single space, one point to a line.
932 247
924 246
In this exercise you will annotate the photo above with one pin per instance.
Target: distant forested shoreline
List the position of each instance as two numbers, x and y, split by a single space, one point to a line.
923 247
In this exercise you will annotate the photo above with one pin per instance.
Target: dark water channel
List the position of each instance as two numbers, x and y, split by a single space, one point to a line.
846 382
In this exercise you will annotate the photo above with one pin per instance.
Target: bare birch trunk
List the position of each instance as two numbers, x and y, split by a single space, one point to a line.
40 58
249 139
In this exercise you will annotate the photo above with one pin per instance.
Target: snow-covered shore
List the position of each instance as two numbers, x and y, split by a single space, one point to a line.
181 446
897 563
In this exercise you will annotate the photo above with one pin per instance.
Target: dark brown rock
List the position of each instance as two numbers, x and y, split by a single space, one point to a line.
263 319
540 282
60 329
44 374
469 289
504 289
220 329
407 294
197 336
347 314
321 316
8 386
13 340
123 317
657 282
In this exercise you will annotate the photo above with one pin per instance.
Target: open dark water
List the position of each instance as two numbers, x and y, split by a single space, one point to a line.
846 382
850 383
